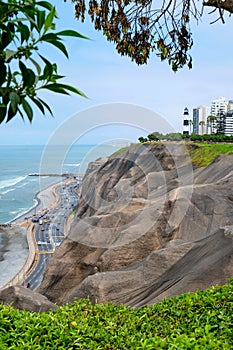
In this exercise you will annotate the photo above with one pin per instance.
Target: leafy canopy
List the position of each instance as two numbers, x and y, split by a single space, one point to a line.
23 26
141 27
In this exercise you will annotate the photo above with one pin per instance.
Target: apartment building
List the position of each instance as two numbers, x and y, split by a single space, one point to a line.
219 106
228 123
200 115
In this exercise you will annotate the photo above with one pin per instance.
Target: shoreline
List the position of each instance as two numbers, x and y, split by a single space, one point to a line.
38 202
13 240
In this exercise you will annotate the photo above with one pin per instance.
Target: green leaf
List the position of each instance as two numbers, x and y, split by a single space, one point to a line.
48 69
54 40
7 35
28 75
55 88
48 23
48 64
56 77
49 37
36 65
45 4
9 54
21 114
46 105
31 19
2 112
47 73
23 68
38 104
9 77
2 73
73 33
10 113
24 31
61 47
61 88
31 78
15 100
27 108
73 89
40 19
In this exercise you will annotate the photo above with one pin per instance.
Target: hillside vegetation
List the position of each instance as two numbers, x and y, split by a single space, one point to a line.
202 154
201 320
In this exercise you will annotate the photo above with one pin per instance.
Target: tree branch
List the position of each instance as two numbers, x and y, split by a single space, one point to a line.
220 4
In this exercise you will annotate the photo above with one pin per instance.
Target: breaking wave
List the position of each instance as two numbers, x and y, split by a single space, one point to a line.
11 182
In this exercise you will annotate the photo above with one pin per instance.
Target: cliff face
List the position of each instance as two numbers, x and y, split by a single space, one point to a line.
148 225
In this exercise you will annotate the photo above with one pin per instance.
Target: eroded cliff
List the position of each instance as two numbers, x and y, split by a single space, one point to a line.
148 225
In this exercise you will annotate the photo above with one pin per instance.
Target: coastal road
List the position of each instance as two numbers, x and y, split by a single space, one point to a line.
35 278
51 232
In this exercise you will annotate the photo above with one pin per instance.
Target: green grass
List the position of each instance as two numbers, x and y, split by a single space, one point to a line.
202 154
123 149
200 320
119 151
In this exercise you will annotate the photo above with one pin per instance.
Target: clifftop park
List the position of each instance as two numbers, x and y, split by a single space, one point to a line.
153 221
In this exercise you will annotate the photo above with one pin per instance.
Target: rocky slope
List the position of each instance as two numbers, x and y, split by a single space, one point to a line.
148 226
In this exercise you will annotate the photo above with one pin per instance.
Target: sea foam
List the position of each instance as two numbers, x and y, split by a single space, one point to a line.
11 182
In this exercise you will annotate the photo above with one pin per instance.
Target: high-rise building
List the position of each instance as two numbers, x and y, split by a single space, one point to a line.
186 121
218 106
210 120
230 105
218 109
228 123
200 114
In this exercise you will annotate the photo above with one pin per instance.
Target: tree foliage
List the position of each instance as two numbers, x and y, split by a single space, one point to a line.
140 27
24 25
155 136
142 139
176 136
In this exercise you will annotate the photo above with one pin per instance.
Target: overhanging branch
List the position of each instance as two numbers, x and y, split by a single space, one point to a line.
226 5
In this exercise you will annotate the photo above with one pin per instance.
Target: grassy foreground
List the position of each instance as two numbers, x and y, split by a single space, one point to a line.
200 320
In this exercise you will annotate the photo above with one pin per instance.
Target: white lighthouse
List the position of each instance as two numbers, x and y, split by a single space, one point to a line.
186 121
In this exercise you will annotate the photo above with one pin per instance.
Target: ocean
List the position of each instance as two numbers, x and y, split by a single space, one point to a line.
18 189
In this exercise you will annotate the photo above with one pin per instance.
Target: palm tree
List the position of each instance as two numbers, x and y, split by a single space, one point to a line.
202 124
190 125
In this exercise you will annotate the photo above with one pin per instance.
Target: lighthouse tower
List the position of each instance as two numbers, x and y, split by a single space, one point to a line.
186 121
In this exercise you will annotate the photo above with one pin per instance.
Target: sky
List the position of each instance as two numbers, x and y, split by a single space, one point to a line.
122 97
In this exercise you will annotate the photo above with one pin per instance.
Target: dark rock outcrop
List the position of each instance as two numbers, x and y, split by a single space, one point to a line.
148 226
24 299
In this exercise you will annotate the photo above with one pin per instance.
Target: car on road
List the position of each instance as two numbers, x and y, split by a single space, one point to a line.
35 219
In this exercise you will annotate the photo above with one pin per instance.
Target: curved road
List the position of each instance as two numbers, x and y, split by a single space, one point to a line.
50 232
